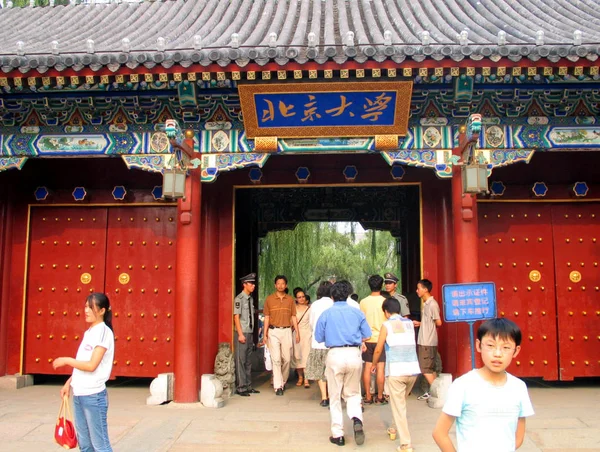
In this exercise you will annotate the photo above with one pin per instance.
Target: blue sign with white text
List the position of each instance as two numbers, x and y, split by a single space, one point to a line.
469 302
348 108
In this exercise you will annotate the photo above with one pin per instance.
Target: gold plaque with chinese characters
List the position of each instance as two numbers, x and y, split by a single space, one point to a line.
123 278
85 278
575 276
535 275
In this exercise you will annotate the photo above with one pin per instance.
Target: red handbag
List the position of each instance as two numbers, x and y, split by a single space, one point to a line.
64 431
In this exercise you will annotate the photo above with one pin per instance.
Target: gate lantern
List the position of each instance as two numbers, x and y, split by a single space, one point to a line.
475 178
173 183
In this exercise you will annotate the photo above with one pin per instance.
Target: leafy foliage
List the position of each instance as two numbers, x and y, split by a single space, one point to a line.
315 252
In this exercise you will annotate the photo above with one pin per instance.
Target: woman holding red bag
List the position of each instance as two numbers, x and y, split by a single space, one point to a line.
91 368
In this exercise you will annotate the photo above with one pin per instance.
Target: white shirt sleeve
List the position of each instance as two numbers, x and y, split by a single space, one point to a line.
526 406
101 337
455 399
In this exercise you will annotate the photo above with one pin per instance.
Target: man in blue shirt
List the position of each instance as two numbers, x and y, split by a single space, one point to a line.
343 329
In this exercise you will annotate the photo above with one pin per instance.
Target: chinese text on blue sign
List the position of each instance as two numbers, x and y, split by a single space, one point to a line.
326 109
469 302
333 109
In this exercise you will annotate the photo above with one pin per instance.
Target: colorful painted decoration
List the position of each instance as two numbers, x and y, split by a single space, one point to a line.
255 175
157 192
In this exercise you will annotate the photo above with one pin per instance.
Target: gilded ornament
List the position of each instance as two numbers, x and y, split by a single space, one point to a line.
124 278
575 276
535 275
85 278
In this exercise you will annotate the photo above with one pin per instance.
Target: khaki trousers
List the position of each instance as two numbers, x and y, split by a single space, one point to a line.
280 347
400 387
343 372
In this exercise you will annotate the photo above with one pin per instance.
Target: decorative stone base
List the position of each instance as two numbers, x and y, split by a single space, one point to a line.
439 390
211 391
161 389
16 381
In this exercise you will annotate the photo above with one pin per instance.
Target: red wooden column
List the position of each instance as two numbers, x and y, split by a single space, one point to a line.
5 275
466 252
187 288
209 290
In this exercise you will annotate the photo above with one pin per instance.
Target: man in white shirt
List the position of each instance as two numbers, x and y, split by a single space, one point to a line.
315 365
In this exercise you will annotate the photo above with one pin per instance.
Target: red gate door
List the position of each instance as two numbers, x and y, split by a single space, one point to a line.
140 281
515 249
577 253
66 263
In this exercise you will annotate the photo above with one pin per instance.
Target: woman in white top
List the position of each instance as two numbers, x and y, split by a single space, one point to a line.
91 368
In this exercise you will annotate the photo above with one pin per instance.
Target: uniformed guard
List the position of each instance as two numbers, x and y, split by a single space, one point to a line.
391 283
243 318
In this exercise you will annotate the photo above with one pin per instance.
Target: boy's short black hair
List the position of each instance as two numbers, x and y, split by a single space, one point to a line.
354 296
503 328
375 283
391 305
341 290
426 283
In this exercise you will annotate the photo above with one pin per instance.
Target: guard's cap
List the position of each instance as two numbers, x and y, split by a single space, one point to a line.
251 277
390 277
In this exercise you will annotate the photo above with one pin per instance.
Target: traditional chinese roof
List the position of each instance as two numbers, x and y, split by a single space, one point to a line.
301 31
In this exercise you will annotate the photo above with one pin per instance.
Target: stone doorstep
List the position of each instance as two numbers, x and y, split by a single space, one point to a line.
16 381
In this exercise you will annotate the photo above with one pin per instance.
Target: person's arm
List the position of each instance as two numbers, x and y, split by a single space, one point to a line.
64 391
296 329
438 322
441 433
266 328
87 366
379 348
238 328
520 432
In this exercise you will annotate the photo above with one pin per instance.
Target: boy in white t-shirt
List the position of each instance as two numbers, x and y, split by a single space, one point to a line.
488 404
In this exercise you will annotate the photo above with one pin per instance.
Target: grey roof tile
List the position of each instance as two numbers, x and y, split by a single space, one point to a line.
279 31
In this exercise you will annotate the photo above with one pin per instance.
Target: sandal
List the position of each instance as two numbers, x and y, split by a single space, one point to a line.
370 401
381 401
300 380
405 448
391 431
306 384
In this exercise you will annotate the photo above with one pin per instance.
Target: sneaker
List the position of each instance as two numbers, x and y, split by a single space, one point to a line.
424 396
359 434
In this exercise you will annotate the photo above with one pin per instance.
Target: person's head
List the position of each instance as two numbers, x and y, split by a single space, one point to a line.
424 287
97 309
324 289
341 290
354 296
375 282
390 281
307 298
280 283
498 341
348 285
390 307
248 283
300 296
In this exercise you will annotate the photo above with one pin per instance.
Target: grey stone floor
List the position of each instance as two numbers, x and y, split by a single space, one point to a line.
567 418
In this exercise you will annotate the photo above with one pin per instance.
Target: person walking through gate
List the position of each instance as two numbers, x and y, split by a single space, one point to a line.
315 366
390 282
280 316
301 350
371 307
489 405
343 329
243 319
91 369
427 341
397 335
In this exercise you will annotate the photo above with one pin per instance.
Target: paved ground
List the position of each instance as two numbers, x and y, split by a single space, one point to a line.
567 419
